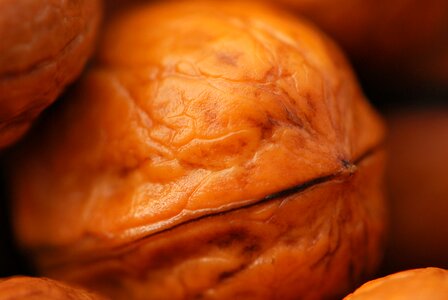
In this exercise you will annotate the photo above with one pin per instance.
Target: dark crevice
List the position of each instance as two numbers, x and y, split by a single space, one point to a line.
298 188
346 171
281 194
225 275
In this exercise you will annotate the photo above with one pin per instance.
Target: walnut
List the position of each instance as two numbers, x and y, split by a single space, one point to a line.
427 283
44 46
214 150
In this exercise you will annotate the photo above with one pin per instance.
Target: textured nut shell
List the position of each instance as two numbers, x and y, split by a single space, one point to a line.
315 244
205 122
417 284
16 288
44 47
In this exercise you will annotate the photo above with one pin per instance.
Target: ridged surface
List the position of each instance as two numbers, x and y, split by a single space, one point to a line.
192 110
315 244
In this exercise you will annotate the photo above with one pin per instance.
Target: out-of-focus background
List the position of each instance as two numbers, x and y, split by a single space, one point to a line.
12 262
399 49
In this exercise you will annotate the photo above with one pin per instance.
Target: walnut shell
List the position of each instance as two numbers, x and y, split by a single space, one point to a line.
44 46
211 151
428 283
29 288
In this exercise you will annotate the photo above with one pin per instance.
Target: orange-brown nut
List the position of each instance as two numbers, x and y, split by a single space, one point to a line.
44 46
222 151
428 283
29 288
405 37
417 180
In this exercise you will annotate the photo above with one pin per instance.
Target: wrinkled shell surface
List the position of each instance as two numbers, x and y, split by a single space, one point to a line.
226 155
44 46
310 245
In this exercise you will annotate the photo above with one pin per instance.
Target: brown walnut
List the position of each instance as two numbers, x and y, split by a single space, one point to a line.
427 283
44 46
219 151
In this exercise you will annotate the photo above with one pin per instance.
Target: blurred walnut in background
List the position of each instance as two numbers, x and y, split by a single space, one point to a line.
418 284
44 46
418 188
213 150
387 38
